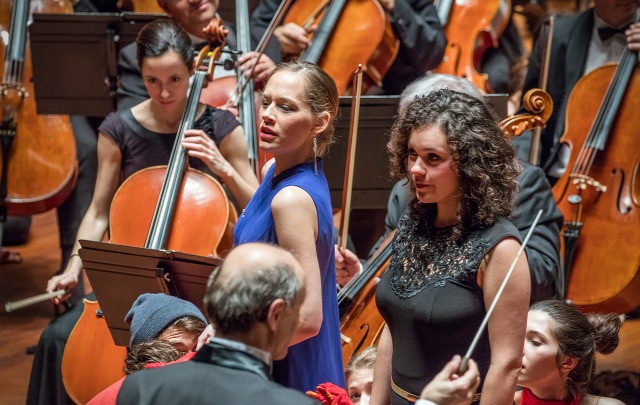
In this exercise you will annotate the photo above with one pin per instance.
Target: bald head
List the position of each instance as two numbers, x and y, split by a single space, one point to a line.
252 276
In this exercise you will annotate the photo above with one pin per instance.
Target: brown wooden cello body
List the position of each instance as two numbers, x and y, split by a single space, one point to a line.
361 35
599 193
41 167
472 27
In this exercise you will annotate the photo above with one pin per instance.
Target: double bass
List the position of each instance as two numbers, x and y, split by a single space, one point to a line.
157 208
599 193
38 161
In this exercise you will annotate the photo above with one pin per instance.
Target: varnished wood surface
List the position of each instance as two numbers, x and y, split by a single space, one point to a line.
22 328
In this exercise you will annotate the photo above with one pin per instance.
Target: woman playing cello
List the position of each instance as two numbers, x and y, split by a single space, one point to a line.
141 137
451 253
292 208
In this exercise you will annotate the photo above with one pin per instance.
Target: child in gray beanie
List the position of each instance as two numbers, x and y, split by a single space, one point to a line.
150 314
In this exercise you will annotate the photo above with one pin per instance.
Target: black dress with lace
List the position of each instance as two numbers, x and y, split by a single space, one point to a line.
431 300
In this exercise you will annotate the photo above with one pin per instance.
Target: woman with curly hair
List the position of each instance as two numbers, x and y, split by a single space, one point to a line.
452 252
559 349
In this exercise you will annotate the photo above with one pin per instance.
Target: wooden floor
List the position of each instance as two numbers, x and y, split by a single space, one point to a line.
22 328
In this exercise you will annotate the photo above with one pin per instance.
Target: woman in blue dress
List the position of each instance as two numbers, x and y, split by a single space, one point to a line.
292 208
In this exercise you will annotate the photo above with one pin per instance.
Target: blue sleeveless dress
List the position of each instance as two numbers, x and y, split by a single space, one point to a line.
318 359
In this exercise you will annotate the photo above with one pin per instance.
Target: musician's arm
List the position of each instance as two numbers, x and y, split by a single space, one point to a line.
96 221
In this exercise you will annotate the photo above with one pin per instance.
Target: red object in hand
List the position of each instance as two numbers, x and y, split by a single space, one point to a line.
330 394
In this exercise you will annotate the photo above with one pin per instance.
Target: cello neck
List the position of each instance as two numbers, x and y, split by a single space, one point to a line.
246 105
609 108
443 8
323 32
163 214
15 53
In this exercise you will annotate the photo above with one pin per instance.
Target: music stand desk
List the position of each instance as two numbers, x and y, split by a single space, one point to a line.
120 274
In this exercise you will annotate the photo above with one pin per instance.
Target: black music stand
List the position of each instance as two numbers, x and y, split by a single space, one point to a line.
75 57
120 274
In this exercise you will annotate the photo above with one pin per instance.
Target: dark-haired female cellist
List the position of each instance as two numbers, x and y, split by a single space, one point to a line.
137 138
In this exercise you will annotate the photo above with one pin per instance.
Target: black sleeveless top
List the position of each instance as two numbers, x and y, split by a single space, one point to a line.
142 148
431 300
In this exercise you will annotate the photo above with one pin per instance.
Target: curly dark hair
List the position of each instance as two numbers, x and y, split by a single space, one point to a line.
482 157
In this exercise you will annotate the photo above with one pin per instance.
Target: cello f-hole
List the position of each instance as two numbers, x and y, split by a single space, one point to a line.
623 200
635 185
364 326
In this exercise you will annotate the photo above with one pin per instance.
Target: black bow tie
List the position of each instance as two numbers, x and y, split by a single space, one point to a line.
607 32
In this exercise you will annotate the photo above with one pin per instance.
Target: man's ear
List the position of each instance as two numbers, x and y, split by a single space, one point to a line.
275 313
567 363
163 6
322 122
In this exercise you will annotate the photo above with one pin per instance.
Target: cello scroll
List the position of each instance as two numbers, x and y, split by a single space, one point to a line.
539 103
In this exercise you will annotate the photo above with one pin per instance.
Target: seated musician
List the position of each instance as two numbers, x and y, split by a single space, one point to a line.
192 18
131 140
163 329
415 24
581 43
533 193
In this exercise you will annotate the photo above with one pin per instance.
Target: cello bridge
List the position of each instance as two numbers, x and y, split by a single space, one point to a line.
582 181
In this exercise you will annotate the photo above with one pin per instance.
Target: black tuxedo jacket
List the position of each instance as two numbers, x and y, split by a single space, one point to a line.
215 375
569 48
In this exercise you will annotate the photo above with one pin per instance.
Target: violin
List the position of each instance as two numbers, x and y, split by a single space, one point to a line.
348 34
599 193
159 208
38 161
471 27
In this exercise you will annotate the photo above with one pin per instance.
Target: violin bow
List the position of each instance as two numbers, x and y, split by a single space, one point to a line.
351 158
534 148
464 364
25 302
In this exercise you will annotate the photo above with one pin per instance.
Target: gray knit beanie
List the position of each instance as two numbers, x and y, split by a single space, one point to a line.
152 313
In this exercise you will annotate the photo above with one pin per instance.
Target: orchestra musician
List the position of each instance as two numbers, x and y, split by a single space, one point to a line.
559 354
131 140
292 207
415 23
192 16
581 43
452 252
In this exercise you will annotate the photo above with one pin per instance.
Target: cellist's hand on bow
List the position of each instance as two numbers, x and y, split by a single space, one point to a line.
633 36
262 69
64 281
347 265
199 145
293 38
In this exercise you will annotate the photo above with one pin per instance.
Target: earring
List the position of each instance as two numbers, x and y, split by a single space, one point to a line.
315 155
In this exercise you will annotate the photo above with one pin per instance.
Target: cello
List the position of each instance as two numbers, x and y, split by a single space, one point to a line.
38 161
158 208
349 33
599 193
471 27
